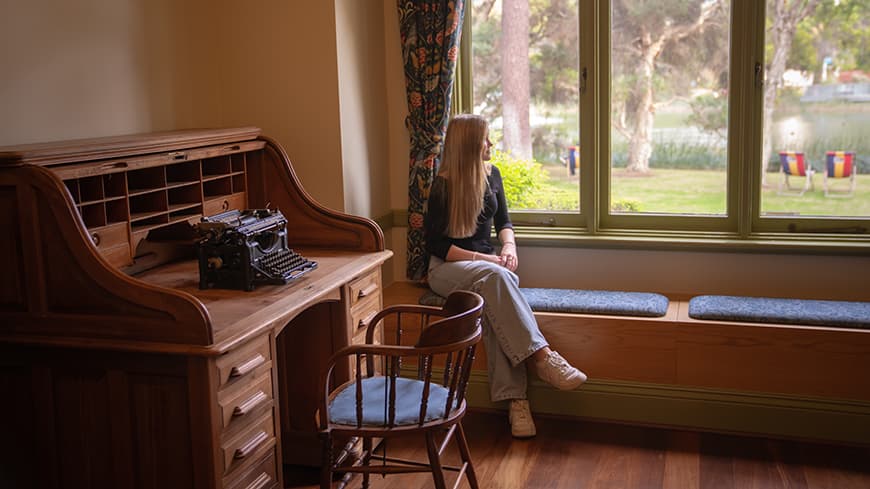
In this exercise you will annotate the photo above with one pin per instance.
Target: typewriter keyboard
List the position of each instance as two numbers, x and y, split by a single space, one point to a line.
285 264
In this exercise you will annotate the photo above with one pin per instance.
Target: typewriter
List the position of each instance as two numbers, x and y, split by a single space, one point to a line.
242 249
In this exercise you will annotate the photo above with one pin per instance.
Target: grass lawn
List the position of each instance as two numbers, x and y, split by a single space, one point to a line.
703 192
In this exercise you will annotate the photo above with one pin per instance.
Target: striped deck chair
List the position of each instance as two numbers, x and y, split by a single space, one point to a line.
840 164
793 164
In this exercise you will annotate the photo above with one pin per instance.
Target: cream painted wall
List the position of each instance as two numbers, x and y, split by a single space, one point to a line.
398 137
691 273
397 108
362 97
279 72
100 67
95 68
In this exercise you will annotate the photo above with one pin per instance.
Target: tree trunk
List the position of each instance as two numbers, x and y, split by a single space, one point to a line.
640 144
515 77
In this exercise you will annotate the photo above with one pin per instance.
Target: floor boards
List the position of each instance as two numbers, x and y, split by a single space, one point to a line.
588 455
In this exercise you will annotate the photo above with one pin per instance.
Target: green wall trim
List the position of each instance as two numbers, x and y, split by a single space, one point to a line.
754 413
570 237
386 222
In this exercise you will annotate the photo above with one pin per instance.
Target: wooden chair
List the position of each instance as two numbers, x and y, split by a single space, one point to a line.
840 164
402 388
793 164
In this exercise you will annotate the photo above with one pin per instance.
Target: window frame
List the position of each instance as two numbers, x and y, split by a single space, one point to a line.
743 224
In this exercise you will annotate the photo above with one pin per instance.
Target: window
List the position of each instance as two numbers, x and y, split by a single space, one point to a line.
527 84
701 117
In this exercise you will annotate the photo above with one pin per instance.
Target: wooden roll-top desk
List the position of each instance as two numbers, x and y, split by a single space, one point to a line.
116 370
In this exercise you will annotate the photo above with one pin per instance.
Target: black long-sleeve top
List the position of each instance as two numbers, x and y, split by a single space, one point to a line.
495 211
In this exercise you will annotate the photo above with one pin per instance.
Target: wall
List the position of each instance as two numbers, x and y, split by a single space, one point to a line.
690 273
399 146
106 67
362 94
100 67
277 63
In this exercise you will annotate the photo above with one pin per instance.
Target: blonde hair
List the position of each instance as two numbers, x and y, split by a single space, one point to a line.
465 173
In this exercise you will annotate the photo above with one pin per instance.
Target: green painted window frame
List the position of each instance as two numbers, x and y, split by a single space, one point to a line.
741 227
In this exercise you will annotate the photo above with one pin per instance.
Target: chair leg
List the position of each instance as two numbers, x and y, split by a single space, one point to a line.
466 456
435 461
326 461
367 456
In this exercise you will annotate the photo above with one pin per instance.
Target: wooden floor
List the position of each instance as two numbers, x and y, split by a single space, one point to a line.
580 455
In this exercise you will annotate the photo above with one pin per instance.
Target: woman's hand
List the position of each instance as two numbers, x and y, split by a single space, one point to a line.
508 257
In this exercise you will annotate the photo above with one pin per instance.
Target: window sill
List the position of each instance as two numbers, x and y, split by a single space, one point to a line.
777 243
695 241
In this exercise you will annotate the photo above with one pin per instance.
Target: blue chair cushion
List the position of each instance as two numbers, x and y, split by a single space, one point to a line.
409 395
605 302
809 312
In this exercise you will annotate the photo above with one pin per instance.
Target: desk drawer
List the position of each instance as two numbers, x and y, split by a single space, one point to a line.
224 203
107 237
248 361
361 315
238 407
118 256
264 475
249 444
360 318
364 287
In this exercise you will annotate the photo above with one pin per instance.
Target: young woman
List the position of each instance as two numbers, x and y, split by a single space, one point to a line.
466 198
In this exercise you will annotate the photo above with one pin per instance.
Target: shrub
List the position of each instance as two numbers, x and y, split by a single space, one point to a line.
625 205
676 155
524 180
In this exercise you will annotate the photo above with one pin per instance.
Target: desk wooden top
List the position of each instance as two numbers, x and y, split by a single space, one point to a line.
237 316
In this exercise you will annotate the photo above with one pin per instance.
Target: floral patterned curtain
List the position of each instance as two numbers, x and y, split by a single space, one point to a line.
430 31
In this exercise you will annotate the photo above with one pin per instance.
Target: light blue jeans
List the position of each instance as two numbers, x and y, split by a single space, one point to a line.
510 332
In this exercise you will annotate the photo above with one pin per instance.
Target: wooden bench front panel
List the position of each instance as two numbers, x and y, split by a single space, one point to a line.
677 350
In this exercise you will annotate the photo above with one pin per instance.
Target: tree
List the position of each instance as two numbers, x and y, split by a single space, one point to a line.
839 30
785 15
552 57
642 32
515 77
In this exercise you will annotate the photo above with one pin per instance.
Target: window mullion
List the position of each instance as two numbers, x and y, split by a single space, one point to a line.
591 69
747 48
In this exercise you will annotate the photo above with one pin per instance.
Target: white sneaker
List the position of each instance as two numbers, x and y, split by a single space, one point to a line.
557 372
520 417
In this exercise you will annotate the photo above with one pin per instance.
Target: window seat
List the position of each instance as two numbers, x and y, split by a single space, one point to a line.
741 352
809 312
772 378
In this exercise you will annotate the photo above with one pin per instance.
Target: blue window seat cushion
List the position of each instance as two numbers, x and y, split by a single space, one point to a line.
604 302
810 312
409 394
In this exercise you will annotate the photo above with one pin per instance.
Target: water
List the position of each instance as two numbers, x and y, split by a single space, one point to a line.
811 127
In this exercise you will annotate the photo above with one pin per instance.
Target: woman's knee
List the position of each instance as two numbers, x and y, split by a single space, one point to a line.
500 275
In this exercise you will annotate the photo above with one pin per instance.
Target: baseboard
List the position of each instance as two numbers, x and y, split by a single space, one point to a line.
829 420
